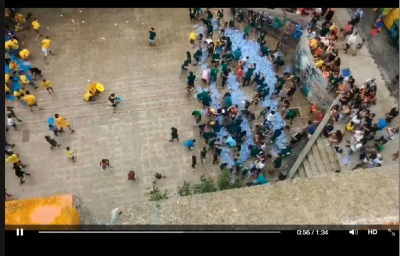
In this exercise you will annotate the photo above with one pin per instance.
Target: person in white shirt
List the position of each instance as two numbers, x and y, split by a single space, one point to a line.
358 135
271 116
11 121
391 134
260 164
350 41
244 60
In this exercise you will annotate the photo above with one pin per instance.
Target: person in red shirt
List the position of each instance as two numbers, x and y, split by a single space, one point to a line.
319 117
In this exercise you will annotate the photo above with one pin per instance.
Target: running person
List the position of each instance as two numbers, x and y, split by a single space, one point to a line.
113 102
190 84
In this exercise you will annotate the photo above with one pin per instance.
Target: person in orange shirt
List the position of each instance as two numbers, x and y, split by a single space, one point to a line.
31 100
46 48
61 123
239 73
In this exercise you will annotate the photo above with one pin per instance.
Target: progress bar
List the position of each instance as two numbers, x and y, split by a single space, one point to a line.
155 231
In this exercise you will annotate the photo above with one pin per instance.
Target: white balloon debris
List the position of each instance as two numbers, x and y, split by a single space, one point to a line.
127 21
88 80
137 19
83 21
102 38
47 27
80 11
73 21
61 15
142 23
115 24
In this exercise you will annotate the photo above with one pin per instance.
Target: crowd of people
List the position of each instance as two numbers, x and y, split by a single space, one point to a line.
353 108
232 131
21 81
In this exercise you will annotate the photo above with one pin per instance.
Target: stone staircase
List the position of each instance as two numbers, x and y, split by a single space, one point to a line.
320 160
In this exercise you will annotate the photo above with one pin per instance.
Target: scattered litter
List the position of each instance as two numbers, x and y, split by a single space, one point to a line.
88 80
73 21
61 15
115 24
142 23
137 19
47 27
102 38
80 11
83 21
127 21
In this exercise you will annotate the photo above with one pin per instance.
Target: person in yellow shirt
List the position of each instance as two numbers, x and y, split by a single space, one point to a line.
319 63
36 26
71 155
31 100
13 65
47 85
15 44
24 54
24 80
11 44
46 48
88 96
14 159
20 20
61 123
18 94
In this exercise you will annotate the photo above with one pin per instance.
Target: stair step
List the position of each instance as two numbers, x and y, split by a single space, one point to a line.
301 172
312 164
318 160
307 167
325 150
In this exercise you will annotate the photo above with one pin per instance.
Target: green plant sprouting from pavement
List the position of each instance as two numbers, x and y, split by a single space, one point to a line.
157 195
208 184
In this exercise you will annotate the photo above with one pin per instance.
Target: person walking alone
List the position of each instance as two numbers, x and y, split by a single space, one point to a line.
53 143
174 134
194 161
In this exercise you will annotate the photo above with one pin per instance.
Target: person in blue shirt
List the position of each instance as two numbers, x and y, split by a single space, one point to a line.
261 180
237 54
189 144
230 141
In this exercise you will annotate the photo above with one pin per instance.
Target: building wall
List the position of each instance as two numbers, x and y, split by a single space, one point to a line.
311 80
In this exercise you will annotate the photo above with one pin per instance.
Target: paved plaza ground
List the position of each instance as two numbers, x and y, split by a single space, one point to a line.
109 46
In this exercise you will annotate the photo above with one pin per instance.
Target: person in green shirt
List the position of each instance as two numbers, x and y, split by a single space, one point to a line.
216 57
228 57
213 74
247 76
190 83
152 36
246 31
197 116
265 51
185 66
206 101
189 57
210 30
197 55
217 127
208 135
278 63
224 66
276 164
291 114
254 150
209 15
201 95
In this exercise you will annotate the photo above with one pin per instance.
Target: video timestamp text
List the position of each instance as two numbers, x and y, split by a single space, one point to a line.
312 232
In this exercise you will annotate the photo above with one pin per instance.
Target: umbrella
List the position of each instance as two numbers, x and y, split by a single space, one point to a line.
50 121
